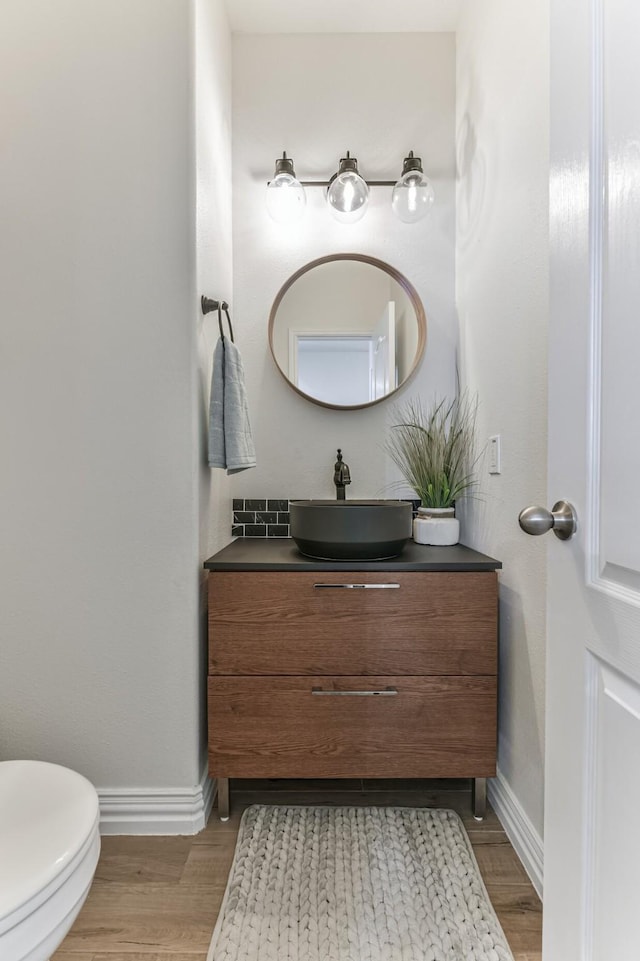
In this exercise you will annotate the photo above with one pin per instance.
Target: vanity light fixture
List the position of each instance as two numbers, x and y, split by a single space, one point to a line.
348 192
413 195
286 198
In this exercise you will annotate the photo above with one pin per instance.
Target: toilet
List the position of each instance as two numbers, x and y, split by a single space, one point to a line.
49 847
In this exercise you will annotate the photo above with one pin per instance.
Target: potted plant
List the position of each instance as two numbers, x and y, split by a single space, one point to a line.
435 449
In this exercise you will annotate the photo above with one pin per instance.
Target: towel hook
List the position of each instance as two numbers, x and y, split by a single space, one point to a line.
209 305
224 307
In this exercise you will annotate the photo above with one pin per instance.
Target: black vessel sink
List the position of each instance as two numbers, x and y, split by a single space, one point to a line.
350 530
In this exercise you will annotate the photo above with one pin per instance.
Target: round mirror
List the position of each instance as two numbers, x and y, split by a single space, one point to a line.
346 331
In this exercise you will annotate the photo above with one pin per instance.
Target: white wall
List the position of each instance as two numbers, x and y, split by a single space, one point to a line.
100 648
502 296
213 231
212 101
406 331
316 97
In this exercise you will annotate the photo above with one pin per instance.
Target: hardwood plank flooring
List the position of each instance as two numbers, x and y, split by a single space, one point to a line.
157 898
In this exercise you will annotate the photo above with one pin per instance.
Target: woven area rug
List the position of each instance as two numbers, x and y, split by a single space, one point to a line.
355 884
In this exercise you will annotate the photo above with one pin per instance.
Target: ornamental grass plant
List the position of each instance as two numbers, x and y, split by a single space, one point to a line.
435 449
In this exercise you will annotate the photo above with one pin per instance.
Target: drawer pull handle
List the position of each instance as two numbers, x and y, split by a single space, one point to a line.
359 587
388 692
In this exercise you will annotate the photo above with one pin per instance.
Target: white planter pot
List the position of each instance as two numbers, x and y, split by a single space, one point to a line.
436 526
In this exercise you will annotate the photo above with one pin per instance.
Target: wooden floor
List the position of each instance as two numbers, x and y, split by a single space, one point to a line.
157 898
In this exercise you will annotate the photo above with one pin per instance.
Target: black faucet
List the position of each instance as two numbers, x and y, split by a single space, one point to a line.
341 476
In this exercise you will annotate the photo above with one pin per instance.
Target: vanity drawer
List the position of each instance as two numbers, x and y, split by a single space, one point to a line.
335 727
312 623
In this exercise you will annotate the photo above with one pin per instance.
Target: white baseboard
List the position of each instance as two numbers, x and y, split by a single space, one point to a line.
519 829
156 810
186 811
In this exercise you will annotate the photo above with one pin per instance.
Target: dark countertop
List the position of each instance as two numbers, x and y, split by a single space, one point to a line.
281 554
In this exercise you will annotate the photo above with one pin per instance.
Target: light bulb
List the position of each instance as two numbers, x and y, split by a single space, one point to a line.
348 193
285 198
413 195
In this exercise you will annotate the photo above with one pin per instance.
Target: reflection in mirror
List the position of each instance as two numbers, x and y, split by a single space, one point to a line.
347 330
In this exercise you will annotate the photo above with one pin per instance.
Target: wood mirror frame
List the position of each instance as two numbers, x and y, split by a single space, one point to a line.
400 279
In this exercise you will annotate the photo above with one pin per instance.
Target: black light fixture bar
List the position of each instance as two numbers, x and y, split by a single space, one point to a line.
371 183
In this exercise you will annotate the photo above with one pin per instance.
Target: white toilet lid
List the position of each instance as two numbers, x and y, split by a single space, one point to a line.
47 812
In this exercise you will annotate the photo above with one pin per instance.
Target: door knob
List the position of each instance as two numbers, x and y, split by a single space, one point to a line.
561 519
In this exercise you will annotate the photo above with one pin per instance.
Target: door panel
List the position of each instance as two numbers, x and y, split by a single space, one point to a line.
384 352
613 827
592 846
616 44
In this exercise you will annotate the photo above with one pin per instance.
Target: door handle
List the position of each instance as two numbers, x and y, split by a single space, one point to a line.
561 519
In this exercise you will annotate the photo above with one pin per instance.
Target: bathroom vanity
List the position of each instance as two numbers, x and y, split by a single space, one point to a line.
352 669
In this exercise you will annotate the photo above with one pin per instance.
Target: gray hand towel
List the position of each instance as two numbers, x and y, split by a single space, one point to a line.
230 438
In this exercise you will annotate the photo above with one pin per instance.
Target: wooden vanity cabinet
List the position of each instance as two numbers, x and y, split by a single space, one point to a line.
332 674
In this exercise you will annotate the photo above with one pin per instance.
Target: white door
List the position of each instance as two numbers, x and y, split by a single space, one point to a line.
335 369
592 805
384 352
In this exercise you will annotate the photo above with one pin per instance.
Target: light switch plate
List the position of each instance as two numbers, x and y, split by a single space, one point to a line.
494 454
